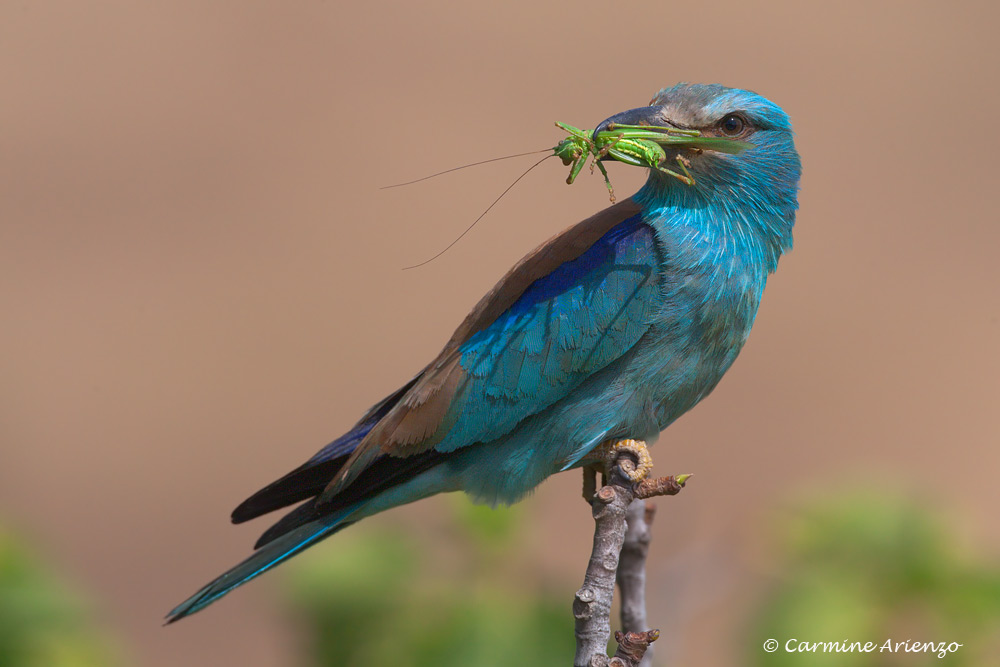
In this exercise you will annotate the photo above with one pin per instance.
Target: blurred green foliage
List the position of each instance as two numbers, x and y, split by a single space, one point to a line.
376 600
859 567
488 529
872 567
42 623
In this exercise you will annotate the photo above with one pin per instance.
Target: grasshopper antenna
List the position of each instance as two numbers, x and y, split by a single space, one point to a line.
471 164
481 215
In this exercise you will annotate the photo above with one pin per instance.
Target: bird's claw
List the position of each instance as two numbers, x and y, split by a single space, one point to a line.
638 449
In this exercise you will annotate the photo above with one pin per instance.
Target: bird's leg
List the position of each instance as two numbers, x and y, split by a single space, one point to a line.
589 483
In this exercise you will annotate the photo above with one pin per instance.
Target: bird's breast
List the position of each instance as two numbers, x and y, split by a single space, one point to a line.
702 324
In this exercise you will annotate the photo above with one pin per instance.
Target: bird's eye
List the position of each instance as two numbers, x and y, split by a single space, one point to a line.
732 125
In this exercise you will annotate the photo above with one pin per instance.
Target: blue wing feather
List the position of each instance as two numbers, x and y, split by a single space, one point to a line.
565 326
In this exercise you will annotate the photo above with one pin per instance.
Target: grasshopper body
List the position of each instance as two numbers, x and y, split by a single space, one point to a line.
635 145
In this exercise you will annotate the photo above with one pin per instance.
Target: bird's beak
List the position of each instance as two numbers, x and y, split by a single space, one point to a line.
649 116
672 135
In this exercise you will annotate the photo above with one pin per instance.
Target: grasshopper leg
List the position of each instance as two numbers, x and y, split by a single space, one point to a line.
607 181
579 159
607 147
686 178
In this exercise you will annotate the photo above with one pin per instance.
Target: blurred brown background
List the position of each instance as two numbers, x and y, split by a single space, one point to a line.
200 280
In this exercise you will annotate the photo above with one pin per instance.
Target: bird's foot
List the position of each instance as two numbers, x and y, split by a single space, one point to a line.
636 472
635 465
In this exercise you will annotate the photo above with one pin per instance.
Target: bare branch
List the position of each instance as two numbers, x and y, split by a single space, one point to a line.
661 486
592 606
619 497
632 569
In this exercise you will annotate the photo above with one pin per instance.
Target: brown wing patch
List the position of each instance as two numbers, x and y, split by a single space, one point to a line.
422 410
417 422
563 247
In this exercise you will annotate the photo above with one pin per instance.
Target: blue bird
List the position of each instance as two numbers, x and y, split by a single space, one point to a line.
611 330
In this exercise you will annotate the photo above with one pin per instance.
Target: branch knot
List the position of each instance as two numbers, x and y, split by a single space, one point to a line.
632 647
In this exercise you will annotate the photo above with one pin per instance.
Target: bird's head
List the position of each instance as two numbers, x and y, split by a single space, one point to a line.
758 165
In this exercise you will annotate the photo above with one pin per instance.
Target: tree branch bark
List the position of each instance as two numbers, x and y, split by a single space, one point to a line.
632 570
608 562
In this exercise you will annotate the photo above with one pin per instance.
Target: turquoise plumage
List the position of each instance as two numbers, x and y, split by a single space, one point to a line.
610 330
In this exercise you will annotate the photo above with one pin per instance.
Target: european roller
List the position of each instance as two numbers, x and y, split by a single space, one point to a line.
609 331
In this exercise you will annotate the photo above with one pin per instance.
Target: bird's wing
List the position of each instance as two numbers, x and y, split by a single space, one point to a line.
568 309
310 478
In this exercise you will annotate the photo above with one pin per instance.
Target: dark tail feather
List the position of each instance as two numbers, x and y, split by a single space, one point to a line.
310 478
262 560
304 482
304 513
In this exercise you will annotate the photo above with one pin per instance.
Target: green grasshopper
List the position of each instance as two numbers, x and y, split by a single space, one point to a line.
636 145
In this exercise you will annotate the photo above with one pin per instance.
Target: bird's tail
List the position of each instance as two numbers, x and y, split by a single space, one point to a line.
262 560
